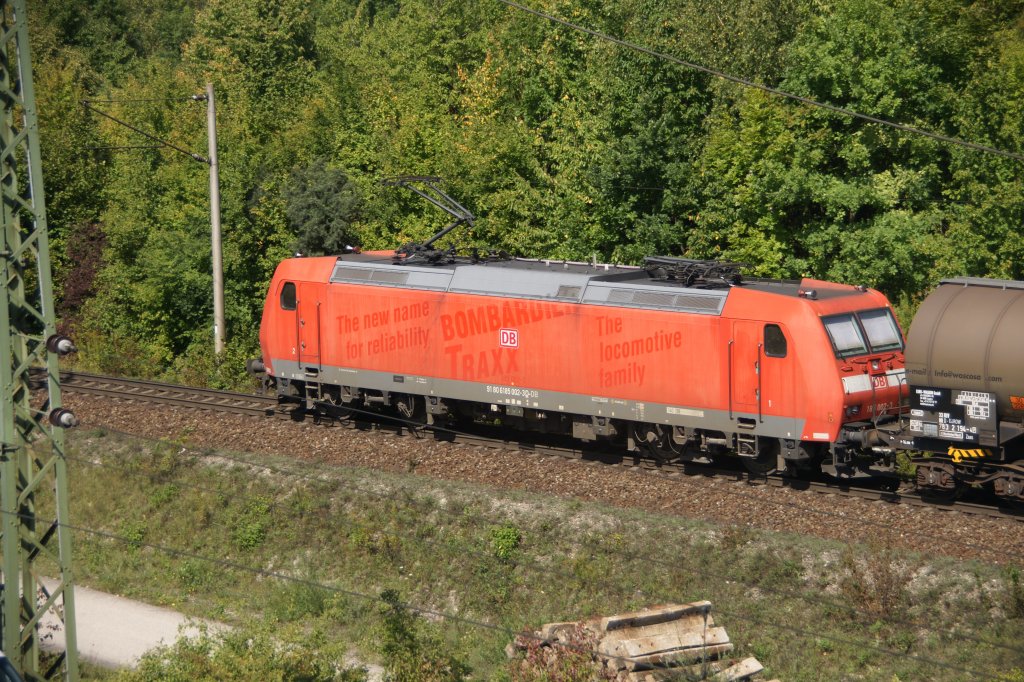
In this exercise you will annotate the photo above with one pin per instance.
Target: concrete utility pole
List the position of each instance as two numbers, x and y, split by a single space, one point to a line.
33 468
218 265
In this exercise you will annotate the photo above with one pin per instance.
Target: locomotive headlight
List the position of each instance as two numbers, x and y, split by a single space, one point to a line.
852 410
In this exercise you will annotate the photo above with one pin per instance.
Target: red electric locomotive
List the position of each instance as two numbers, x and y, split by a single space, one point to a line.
683 359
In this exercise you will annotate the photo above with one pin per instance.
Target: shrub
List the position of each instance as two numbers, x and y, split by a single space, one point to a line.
411 651
1015 592
242 655
134 533
505 541
876 581
295 599
193 574
250 526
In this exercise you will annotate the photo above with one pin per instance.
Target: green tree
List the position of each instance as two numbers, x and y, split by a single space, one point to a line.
321 204
75 174
797 191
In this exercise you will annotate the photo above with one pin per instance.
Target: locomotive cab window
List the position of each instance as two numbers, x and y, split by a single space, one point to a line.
774 341
845 334
867 331
882 331
288 296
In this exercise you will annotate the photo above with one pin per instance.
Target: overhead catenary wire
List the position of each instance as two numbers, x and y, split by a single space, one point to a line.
197 157
126 146
455 618
179 98
765 88
803 596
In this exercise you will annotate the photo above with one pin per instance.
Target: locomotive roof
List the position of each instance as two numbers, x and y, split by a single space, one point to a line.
566 281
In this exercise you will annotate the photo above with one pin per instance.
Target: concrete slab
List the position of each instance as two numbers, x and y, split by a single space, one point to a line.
114 632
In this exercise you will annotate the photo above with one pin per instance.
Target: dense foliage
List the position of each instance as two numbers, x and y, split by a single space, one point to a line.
562 144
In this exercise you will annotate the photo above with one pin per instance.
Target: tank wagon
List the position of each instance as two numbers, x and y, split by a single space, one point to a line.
682 359
965 367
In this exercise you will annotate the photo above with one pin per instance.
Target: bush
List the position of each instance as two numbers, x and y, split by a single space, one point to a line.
296 599
877 582
250 527
1015 592
134 532
505 541
242 655
411 651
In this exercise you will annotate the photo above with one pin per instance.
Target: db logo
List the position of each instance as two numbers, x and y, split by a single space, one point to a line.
509 338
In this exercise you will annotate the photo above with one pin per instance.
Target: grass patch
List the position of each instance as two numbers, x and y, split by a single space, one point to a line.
324 543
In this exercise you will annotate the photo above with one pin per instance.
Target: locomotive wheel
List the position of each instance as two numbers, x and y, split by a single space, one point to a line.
646 438
656 440
339 411
767 459
411 409
669 444
334 407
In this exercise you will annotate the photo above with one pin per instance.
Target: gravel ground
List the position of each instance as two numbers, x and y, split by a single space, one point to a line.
930 531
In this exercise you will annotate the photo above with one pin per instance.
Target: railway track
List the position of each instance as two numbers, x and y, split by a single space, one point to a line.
168 394
267 406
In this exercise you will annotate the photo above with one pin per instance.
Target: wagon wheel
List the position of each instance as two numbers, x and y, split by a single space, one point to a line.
941 495
767 458
944 488
1014 505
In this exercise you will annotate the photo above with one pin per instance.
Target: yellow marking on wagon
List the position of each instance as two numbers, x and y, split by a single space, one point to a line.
960 454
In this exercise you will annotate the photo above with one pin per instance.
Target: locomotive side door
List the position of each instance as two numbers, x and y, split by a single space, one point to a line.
285 330
761 370
745 368
307 323
777 386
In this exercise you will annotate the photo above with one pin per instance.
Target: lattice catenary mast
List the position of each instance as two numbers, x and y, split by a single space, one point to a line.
33 470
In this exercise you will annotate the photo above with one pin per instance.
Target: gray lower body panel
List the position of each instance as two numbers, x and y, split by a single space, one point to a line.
550 401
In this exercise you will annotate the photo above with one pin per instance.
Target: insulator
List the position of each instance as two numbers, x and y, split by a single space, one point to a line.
60 344
63 417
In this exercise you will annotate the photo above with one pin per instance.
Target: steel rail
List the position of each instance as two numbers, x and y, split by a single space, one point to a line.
168 394
177 395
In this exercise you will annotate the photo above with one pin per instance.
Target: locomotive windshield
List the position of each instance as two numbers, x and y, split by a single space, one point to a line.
867 331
